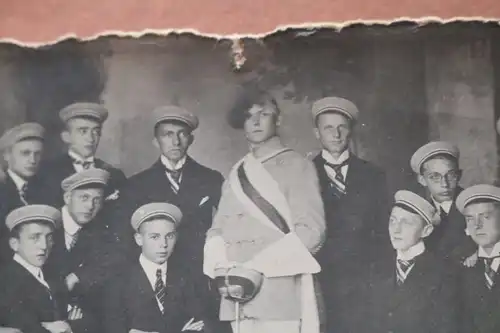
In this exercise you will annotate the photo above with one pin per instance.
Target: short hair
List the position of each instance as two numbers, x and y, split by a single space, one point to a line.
441 156
16 231
249 98
171 121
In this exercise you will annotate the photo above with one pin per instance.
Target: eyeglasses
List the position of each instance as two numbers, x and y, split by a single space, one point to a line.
451 176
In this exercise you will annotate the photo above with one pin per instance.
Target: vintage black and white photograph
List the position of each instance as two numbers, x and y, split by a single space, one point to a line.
310 180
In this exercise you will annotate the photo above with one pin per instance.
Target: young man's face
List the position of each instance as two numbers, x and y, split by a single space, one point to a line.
441 177
157 239
34 243
173 140
334 131
261 124
84 204
406 229
24 157
483 223
82 135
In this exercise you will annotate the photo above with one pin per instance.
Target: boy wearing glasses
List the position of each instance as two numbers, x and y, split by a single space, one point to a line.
437 167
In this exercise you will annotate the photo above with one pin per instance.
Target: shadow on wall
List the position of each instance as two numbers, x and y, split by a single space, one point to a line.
381 69
47 79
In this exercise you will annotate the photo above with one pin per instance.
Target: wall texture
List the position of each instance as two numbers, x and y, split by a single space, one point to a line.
412 85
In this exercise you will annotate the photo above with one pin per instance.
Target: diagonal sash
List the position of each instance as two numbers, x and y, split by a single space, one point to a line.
271 213
260 194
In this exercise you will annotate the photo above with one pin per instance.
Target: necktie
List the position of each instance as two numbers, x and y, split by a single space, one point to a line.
175 178
160 289
22 193
74 239
489 272
338 184
402 270
338 170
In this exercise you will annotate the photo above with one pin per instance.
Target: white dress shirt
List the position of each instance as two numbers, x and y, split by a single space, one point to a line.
494 253
35 271
166 162
19 182
410 254
150 269
331 172
446 205
75 156
71 228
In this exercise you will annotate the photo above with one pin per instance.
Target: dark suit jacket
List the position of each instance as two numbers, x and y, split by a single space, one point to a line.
152 185
356 234
10 200
482 306
53 172
427 302
89 261
25 303
448 240
130 302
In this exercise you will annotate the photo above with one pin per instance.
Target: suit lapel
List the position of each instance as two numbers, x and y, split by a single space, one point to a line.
189 178
13 193
353 171
67 165
416 281
161 180
146 293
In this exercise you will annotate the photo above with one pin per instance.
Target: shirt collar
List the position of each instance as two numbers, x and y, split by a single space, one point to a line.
77 157
35 271
494 253
18 181
150 267
412 252
329 158
165 161
69 224
446 205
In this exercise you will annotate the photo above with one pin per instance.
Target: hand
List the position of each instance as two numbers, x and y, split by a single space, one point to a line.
9 330
231 291
139 331
71 280
75 313
472 260
57 327
191 325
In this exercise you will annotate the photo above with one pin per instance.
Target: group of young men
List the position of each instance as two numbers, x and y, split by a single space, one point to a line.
83 249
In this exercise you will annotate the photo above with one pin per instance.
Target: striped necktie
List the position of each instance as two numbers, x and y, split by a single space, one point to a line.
489 272
23 193
160 289
338 184
175 178
74 239
402 269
